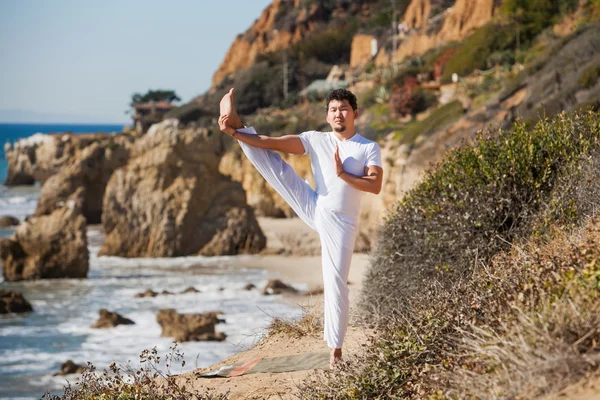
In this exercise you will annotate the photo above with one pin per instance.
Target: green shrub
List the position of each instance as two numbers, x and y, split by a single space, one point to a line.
473 205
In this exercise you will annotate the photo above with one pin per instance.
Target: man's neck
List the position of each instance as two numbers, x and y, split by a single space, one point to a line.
344 135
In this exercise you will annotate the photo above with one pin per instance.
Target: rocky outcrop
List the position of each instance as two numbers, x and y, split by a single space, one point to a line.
190 327
8 221
69 367
260 195
170 200
282 24
89 170
427 31
110 319
268 33
12 301
38 157
48 247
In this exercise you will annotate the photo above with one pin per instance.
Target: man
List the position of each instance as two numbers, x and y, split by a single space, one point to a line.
344 165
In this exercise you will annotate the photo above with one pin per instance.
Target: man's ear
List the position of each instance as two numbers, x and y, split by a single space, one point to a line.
355 114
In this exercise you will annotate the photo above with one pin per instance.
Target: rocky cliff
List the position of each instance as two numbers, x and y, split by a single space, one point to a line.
426 31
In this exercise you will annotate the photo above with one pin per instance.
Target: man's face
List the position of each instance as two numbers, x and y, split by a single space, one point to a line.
341 116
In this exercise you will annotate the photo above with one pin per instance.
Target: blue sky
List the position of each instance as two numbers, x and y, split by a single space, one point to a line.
80 61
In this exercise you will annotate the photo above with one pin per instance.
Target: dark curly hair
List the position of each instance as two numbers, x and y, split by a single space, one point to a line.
341 95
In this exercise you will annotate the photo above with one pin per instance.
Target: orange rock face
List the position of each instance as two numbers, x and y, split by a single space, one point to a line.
427 31
263 36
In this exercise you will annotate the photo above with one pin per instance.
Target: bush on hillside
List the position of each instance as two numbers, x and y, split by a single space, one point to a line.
473 205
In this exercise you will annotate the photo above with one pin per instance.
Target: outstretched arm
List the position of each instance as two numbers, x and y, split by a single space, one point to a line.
371 182
287 144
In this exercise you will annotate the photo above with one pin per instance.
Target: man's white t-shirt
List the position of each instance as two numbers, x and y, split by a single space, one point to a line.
356 153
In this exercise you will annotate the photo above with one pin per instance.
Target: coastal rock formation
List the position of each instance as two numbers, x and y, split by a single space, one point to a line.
110 319
170 200
7 221
69 367
89 170
190 327
38 157
49 246
12 301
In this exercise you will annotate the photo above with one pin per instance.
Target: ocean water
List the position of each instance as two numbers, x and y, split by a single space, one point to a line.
34 345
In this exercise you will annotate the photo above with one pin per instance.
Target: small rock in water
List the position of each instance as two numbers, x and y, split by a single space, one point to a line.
249 286
8 220
147 293
191 289
69 367
12 301
190 327
110 319
166 293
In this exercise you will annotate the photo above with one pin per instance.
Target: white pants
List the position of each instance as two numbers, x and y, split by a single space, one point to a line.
337 232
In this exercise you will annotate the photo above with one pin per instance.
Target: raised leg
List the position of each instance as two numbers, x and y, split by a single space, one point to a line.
279 174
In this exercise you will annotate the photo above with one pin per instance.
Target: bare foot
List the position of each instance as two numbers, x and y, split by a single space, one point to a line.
226 107
335 357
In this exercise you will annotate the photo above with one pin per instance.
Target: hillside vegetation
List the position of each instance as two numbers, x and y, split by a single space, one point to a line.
485 278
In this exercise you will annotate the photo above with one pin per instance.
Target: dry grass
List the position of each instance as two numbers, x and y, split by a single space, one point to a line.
309 324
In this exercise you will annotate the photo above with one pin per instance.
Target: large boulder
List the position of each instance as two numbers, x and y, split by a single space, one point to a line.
170 200
47 247
89 170
189 327
13 302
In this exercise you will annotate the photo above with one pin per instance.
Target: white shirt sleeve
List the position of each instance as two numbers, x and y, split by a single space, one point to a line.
374 156
306 137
